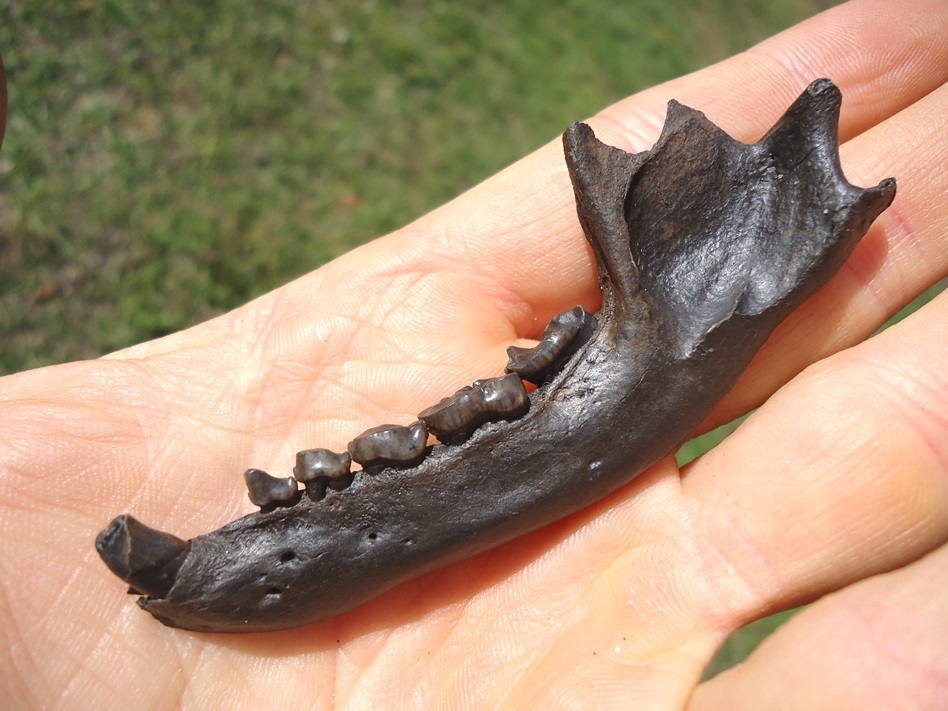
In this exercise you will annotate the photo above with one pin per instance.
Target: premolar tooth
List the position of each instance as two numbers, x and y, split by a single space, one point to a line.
268 492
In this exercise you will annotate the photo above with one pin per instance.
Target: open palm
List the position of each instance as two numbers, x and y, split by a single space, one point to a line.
839 476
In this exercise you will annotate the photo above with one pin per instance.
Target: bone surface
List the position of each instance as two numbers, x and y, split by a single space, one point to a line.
145 558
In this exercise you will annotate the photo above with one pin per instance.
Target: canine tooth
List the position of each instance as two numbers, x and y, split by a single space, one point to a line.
145 558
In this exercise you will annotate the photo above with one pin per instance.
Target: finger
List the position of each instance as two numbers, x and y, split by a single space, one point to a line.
525 225
840 475
841 44
882 643
504 245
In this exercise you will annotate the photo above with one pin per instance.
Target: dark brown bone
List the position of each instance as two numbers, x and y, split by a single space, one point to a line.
703 245
143 557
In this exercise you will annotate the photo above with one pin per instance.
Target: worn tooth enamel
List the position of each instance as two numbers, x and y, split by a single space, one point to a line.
313 464
563 336
322 468
145 558
455 418
505 396
268 492
390 446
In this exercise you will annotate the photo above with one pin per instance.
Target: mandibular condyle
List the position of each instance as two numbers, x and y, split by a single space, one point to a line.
703 246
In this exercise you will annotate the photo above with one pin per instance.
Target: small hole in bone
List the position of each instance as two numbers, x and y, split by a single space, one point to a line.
273 591
407 542
373 536
287 556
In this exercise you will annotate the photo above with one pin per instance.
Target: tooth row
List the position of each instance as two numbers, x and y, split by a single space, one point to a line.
452 421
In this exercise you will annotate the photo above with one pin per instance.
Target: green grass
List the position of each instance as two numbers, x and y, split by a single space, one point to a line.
166 162
739 645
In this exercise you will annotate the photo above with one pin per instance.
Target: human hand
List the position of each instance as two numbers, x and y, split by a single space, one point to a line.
838 477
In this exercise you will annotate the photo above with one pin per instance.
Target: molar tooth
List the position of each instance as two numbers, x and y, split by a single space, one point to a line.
419 435
455 418
390 446
268 492
505 396
565 333
322 468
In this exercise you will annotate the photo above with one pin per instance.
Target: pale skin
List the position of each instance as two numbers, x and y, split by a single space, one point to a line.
836 487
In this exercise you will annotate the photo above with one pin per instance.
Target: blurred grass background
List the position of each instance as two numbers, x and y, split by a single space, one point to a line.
166 162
